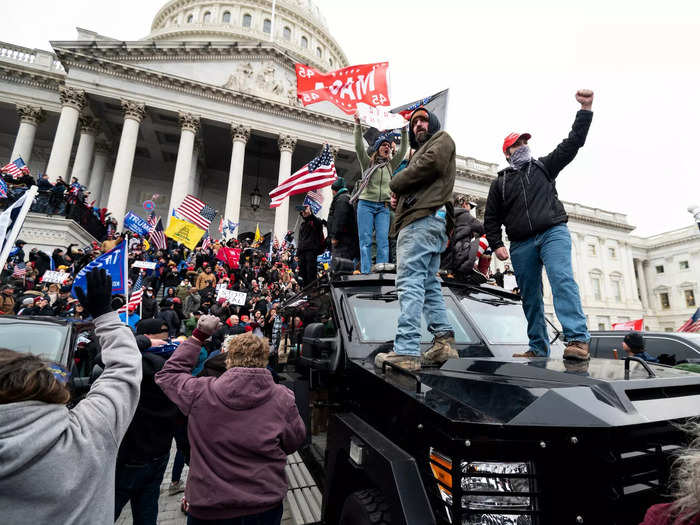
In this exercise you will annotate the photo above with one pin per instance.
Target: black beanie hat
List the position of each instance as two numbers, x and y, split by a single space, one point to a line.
433 126
150 326
635 341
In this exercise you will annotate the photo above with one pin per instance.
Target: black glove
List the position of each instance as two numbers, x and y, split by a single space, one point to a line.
98 300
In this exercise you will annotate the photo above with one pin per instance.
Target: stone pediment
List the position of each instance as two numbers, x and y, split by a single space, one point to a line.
259 70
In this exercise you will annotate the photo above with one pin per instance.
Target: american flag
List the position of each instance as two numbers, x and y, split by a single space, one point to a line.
20 270
3 189
315 196
196 212
157 235
15 168
692 324
206 242
318 173
136 295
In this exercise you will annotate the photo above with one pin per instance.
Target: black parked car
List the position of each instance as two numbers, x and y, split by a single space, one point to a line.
485 438
54 339
671 348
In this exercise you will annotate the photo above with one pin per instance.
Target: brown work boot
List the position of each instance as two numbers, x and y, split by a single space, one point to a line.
443 348
408 362
577 350
527 354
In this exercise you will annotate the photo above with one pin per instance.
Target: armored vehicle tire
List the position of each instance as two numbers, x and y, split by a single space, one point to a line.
365 507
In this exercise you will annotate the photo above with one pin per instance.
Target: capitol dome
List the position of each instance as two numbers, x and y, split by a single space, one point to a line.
298 27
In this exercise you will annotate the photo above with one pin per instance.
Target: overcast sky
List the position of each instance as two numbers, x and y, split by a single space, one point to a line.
510 66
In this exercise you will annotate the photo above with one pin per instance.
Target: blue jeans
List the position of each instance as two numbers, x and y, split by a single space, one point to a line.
551 248
141 485
418 250
373 218
269 517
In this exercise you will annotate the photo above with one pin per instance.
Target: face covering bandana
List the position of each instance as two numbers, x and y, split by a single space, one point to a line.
520 157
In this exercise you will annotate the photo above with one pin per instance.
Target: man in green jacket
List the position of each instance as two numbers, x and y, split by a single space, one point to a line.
423 206
373 215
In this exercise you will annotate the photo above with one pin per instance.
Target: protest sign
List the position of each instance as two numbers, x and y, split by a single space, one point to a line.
114 262
380 118
233 297
136 224
51 276
149 265
345 87
184 232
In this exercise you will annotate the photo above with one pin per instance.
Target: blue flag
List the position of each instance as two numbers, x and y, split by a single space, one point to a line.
136 224
324 258
312 203
113 263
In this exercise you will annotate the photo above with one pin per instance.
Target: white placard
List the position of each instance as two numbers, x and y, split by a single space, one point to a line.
232 296
509 282
51 276
149 265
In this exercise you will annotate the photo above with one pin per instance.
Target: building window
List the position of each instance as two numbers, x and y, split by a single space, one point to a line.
591 250
190 18
304 42
226 18
683 265
247 20
669 329
267 25
287 33
689 297
617 290
612 253
595 285
665 304
660 268
601 326
207 17
603 322
319 52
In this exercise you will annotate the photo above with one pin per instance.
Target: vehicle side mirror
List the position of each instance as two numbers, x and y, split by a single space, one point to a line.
315 345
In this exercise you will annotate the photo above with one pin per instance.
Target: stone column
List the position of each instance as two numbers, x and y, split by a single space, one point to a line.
29 119
134 112
193 183
240 135
73 102
86 147
189 125
287 144
97 175
641 278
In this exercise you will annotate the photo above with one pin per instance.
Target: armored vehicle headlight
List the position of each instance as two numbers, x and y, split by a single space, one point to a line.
500 493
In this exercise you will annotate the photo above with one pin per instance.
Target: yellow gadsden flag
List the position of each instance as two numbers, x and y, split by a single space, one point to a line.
184 232
258 235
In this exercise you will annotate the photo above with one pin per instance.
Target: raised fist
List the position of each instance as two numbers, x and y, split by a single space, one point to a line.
585 98
98 299
502 253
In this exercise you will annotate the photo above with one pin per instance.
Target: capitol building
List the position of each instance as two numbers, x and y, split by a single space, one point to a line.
206 104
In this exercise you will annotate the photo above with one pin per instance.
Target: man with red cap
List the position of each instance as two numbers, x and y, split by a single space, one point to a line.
524 199
423 199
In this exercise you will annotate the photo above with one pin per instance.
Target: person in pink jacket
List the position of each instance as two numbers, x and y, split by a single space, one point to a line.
241 428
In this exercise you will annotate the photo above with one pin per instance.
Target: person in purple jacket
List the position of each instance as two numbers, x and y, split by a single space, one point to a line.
241 428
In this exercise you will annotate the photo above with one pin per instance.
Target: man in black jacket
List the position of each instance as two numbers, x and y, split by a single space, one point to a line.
310 244
342 223
524 199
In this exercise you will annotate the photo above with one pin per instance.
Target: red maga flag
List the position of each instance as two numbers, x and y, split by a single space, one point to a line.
345 87
637 324
230 256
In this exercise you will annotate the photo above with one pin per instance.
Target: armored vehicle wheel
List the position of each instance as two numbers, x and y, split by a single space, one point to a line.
365 507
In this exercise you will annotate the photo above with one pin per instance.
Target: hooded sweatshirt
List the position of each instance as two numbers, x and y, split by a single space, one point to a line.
241 428
57 465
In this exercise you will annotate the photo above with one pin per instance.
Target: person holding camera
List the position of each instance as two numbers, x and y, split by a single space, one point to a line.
423 209
524 198
57 465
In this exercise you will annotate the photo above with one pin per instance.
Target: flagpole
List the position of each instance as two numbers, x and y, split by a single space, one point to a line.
14 232
126 276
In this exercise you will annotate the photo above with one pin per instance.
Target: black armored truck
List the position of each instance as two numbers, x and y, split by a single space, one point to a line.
483 439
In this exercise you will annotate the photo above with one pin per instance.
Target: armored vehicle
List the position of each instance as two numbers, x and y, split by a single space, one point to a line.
483 439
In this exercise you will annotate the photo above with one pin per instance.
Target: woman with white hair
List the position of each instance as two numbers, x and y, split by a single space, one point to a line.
685 509
241 427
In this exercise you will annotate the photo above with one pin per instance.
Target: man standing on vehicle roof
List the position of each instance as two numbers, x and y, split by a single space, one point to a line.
524 198
423 207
